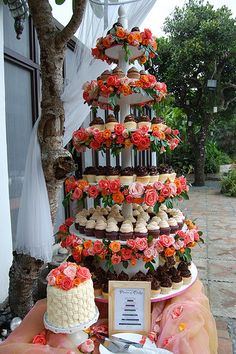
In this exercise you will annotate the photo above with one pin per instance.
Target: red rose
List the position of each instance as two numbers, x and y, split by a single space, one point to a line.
95 145
104 184
120 140
98 247
166 241
166 191
66 283
161 86
135 137
93 191
147 33
77 194
40 339
98 136
115 259
129 199
144 129
144 143
126 254
150 197
63 228
175 132
141 243
131 243
81 135
69 221
113 80
119 128
115 186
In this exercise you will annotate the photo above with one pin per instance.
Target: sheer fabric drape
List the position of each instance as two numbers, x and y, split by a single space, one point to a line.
34 228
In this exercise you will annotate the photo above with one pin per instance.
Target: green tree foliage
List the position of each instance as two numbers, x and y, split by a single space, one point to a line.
200 45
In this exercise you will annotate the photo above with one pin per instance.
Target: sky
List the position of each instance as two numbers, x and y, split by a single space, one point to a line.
154 19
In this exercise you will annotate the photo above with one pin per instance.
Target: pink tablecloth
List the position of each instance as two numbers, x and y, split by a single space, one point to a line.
184 325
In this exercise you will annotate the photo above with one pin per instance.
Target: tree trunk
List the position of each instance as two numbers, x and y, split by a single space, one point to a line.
57 162
199 154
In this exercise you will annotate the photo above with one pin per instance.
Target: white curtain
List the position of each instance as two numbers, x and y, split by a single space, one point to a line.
34 228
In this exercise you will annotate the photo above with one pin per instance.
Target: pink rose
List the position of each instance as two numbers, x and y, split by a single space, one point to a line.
141 243
179 244
150 197
149 252
158 185
98 247
165 192
136 189
55 272
87 346
158 246
173 189
64 266
93 192
115 259
69 221
166 241
144 129
131 243
119 128
129 199
51 279
70 271
115 185
177 312
83 273
175 131
126 254
77 194
66 283
104 184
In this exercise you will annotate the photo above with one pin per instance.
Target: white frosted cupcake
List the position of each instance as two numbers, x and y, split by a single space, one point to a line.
89 227
126 231
140 230
173 225
164 227
99 230
112 231
153 229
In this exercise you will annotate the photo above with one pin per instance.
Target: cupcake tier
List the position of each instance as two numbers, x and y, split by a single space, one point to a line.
133 99
173 293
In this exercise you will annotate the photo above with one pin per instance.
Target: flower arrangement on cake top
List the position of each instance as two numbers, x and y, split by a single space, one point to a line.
112 89
112 192
144 41
68 275
147 248
141 139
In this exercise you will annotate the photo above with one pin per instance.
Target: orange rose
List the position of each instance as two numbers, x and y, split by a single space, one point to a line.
120 33
192 244
138 200
76 282
169 252
107 41
155 128
128 143
131 38
142 59
108 143
107 134
190 224
115 246
88 244
118 197
137 36
59 279
125 90
147 259
145 42
82 184
133 260
138 83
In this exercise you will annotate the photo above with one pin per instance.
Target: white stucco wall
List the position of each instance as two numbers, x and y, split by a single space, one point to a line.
5 220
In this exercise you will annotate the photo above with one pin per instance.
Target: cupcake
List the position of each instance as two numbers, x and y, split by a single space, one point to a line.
97 123
80 223
89 227
139 276
133 73
140 230
90 174
164 227
123 276
183 265
101 173
142 72
127 175
126 232
130 122
105 288
142 175
99 230
118 72
186 276
166 285
113 173
111 121
154 175
97 286
163 215
153 229
144 120
112 231
155 287
177 281
145 216
157 219
165 173
173 225
158 122
179 221
104 76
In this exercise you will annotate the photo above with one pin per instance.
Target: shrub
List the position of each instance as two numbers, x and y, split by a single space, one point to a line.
228 184
215 158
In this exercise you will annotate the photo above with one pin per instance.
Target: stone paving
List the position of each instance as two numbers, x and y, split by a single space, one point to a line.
215 215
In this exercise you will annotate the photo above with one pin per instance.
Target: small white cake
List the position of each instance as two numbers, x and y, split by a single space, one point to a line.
70 296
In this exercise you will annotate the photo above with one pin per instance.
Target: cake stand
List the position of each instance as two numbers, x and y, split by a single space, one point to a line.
76 333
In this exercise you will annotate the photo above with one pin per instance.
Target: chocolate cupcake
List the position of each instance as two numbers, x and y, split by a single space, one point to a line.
154 175
142 175
101 173
177 281
130 122
89 227
164 227
80 223
100 274
111 121
127 175
174 226
165 173
104 76
186 276
158 122
111 275
112 231
118 72
126 232
183 265
90 174
133 73
166 285
170 262
180 222
113 173
140 230
99 230
123 276
153 229
143 72
155 287
97 123
144 120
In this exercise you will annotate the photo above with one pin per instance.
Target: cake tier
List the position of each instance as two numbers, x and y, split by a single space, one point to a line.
116 51
71 308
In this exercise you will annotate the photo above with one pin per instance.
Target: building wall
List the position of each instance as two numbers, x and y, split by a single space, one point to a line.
5 220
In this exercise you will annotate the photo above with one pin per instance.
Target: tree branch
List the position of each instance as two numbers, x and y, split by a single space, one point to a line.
69 30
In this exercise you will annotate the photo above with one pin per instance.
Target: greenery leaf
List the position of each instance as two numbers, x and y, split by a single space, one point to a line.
59 2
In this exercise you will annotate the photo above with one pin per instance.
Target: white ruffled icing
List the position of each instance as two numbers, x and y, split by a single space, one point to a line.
125 228
141 228
163 223
81 220
112 227
153 226
156 219
172 222
100 225
163 215
90 224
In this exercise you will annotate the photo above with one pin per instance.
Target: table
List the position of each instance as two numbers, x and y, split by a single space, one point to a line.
185 325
